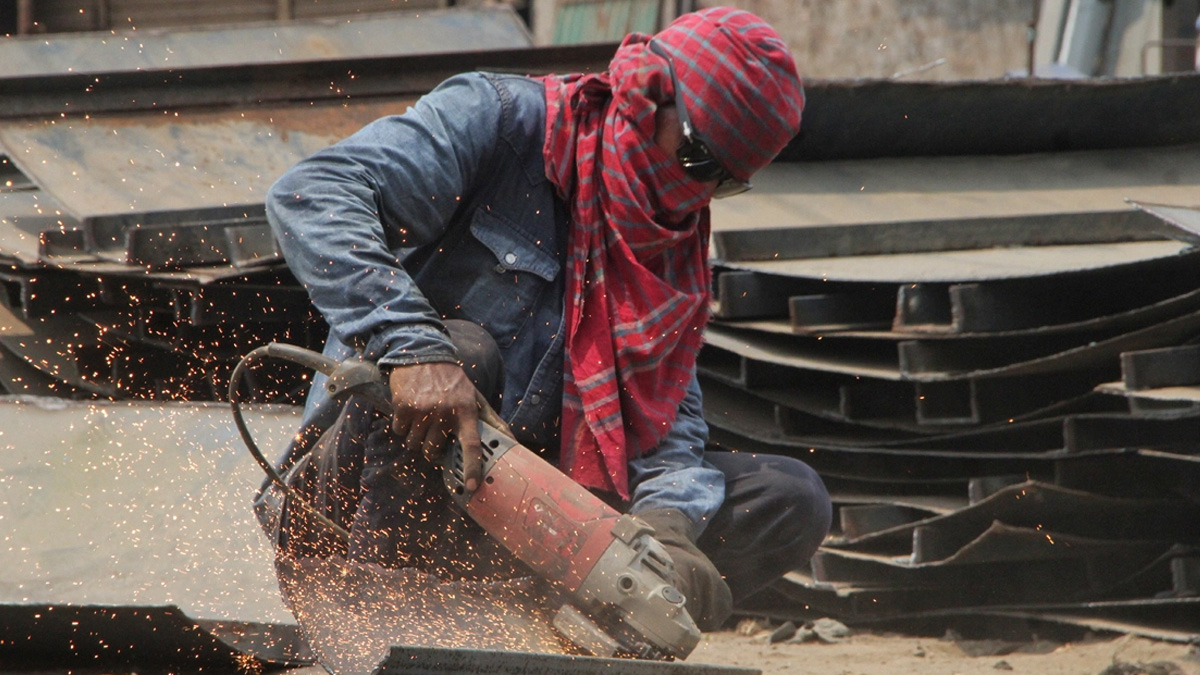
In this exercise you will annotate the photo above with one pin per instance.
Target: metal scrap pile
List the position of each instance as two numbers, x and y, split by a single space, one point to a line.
133 245
990 357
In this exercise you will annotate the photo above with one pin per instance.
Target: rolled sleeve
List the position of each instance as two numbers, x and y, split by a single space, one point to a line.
675 475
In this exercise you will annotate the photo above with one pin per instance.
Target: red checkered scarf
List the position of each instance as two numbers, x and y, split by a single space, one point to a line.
638 283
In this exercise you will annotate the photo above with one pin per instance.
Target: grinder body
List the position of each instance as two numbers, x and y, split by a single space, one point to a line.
609 563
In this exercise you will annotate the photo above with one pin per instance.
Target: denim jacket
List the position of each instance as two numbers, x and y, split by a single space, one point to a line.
446 212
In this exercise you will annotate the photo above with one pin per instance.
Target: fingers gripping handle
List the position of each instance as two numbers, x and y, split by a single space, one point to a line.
495 444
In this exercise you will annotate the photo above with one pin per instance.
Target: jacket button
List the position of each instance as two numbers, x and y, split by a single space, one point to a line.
510 258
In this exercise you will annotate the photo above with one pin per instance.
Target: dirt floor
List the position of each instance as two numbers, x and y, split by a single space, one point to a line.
884 654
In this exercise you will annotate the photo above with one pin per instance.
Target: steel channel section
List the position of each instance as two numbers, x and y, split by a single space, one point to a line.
746 295
1164 367
183 238
832 312
1085 433
46 293
214 305
444 661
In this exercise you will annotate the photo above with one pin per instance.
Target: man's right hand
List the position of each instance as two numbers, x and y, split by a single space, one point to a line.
433 402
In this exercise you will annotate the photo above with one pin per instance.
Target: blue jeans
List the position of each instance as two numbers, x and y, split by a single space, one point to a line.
776 513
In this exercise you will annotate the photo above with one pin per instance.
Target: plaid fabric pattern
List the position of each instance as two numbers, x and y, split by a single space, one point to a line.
638 282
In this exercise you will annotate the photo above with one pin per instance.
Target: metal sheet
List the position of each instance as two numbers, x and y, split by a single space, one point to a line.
1086 433
402 660
804 352
859 358
67 348
749 416
236 236
884 118
383 34
943 186
115 165
1050 507
43 636
18 378
940 236
254 86
1014 262
136 504
24 215
924 408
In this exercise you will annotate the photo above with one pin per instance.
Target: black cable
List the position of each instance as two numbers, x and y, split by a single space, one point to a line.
247 362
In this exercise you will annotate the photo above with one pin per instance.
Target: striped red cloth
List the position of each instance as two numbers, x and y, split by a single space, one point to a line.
637 280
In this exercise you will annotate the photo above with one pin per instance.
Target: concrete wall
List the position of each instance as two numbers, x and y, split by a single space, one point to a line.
834 39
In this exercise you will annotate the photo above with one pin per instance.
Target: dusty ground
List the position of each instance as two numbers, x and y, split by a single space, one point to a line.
884 654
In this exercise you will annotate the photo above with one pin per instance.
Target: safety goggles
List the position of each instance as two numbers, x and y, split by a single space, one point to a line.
693 154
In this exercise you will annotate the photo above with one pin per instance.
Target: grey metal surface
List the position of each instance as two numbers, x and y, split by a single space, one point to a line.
945 235
381 34
24 214
986 264
108 165
258 85
881 118
941 187
136 504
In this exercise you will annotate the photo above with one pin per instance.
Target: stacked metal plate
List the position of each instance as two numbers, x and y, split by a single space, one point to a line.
133 245
988 356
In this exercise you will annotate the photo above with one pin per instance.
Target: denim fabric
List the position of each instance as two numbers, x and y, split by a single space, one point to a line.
445 213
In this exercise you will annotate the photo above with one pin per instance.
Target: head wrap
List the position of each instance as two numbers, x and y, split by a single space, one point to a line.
637 278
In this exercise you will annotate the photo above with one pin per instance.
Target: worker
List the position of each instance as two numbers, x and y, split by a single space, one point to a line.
537 247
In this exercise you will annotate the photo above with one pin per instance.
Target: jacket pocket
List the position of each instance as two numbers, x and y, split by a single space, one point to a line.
494 277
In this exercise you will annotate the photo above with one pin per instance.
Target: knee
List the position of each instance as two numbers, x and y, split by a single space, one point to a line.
800 498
